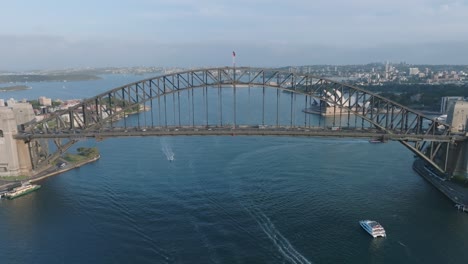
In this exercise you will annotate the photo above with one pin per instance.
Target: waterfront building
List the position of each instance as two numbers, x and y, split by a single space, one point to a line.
69 103
413 71
45 101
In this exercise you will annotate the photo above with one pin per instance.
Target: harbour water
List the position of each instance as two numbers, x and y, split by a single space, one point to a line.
234 200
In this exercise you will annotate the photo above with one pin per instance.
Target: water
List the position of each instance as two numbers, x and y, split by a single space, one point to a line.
235 200
71 90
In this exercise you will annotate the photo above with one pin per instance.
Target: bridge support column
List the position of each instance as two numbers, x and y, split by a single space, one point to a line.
38 150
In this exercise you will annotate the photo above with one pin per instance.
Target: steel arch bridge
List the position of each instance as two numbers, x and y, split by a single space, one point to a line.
109 114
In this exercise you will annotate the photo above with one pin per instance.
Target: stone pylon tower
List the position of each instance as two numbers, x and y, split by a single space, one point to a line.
15 159
455 156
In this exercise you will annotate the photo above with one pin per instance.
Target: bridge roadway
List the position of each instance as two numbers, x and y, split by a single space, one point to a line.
242 130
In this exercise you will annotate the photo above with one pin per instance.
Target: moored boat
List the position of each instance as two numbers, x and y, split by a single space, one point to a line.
25 188
373 228
376 140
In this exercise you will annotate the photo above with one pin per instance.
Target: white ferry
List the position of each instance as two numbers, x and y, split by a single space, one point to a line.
373 228
25 188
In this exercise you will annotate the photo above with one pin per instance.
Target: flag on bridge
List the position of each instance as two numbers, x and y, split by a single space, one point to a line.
233 59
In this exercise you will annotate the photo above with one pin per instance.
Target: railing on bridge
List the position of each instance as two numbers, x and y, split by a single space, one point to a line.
171 101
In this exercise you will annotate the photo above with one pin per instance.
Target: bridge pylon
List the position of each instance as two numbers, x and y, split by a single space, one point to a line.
454 155
15 159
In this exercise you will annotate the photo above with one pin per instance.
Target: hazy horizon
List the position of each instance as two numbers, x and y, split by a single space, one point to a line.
53 34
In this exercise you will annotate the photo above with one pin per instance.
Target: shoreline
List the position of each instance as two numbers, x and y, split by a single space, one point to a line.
15 88
44 175
53 173
453 192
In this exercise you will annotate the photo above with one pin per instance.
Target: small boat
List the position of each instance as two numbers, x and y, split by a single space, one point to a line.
461 207
373 228
25 188
442 118
375 140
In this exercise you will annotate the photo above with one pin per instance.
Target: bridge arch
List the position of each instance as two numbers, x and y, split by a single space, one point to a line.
384 115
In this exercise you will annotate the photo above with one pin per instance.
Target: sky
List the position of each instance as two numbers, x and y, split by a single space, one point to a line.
55 34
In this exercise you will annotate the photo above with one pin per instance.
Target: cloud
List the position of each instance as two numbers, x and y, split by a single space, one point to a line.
49 51
186 32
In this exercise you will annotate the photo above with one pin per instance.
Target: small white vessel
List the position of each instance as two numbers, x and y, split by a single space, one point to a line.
442 118
373 228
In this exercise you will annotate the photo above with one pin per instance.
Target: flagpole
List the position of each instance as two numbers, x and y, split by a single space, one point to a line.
234 85
233 59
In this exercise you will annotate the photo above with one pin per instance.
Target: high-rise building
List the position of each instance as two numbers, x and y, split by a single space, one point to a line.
386 71
413 71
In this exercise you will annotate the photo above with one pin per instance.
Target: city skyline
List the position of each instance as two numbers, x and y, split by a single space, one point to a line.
55 34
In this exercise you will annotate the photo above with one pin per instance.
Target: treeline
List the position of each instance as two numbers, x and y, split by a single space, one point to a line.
83 154
14 78
419 96
14 88
122 104
88 152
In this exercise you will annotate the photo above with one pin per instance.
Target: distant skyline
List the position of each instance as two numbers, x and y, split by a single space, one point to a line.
52 34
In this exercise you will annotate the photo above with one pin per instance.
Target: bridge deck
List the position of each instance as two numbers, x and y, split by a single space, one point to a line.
238 131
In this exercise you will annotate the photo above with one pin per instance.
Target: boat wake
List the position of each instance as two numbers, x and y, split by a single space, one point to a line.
281 243
132 223
407 250
167 150
283 247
